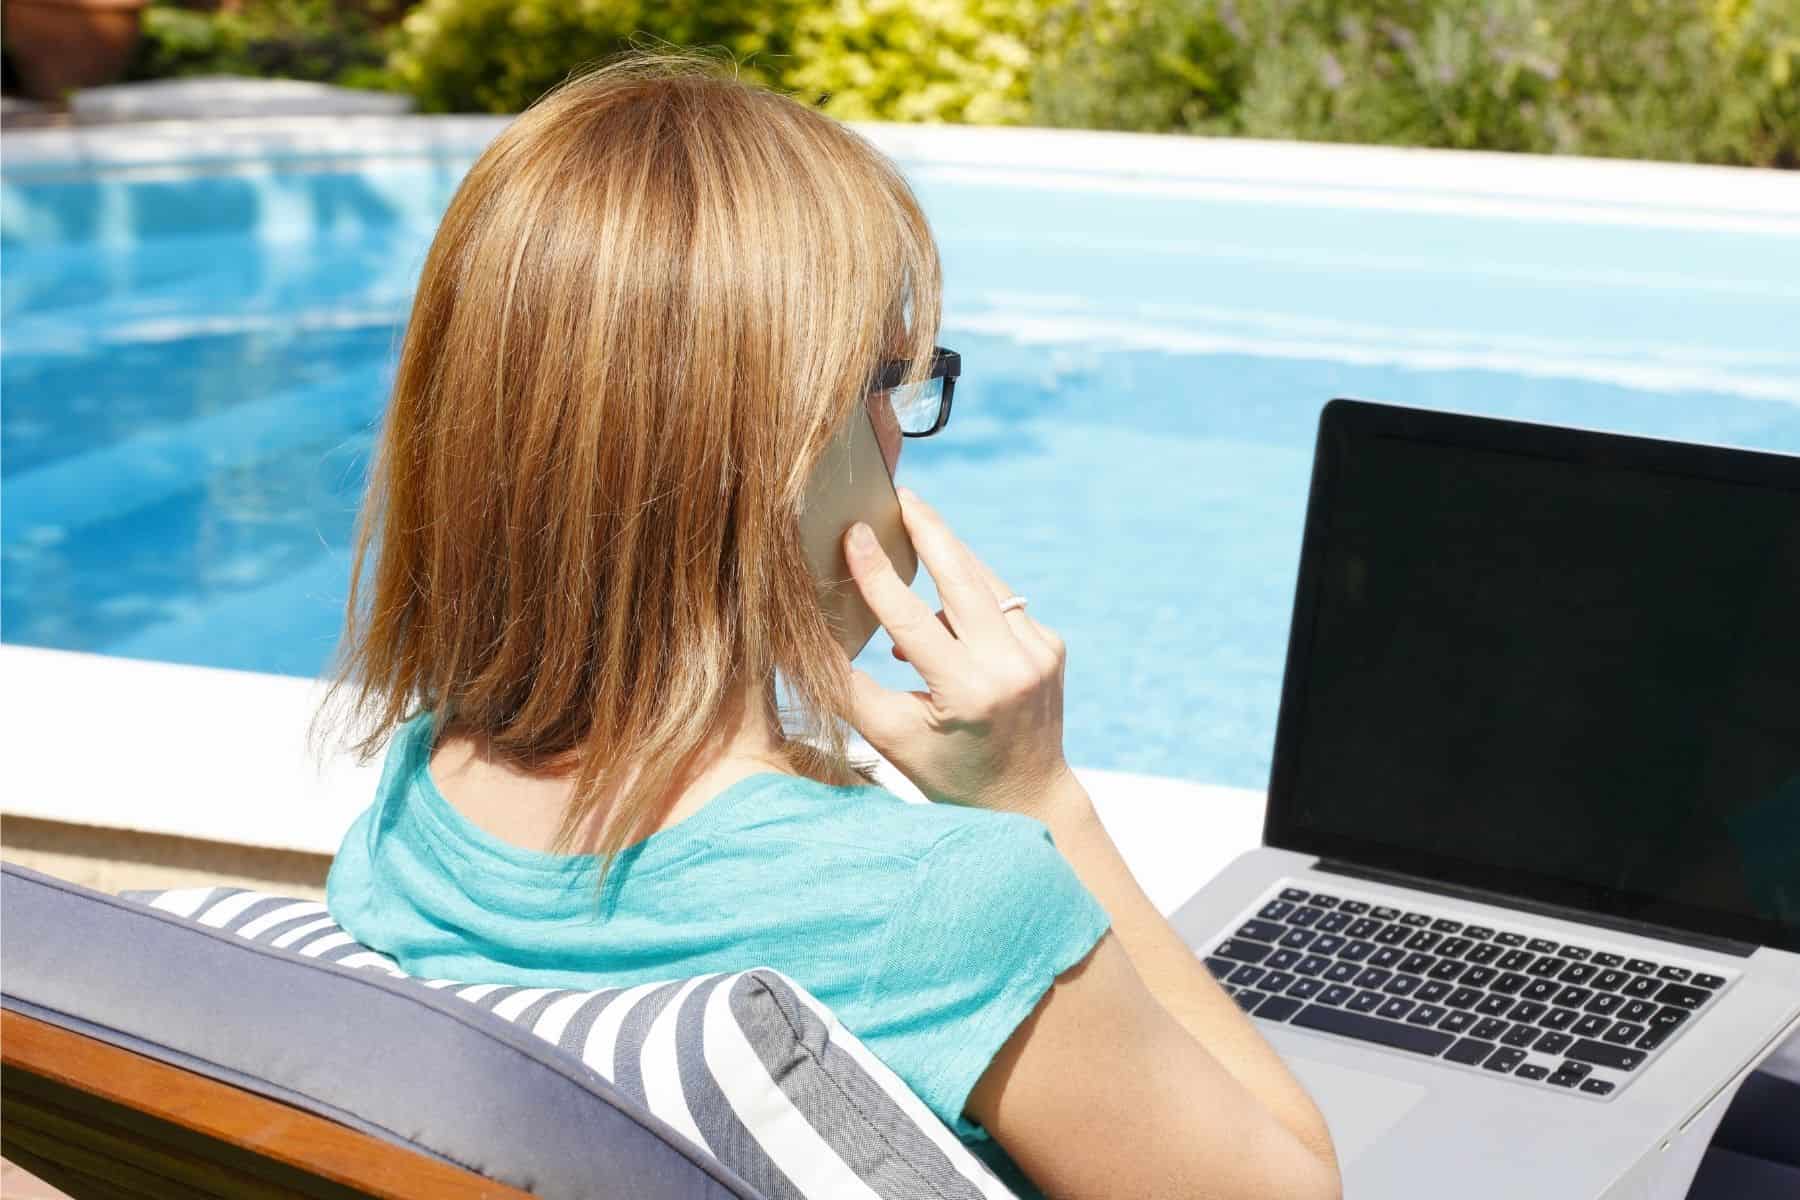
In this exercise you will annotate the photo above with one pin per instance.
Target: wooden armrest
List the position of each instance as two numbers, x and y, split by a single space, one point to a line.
106 1123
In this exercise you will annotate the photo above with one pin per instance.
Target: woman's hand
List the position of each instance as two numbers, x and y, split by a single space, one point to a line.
988 732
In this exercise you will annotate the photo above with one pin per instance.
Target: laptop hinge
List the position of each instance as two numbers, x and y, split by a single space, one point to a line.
1685 937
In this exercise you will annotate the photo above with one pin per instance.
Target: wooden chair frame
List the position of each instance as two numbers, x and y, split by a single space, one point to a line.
104 1123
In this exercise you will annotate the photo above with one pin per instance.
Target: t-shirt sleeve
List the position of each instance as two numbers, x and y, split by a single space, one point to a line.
995 914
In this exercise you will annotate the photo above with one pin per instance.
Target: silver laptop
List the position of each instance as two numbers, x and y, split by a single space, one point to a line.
1528 903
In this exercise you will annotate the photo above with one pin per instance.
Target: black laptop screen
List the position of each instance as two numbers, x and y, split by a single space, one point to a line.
1567 676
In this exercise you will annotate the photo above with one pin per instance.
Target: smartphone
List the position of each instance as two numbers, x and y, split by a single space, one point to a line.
850 483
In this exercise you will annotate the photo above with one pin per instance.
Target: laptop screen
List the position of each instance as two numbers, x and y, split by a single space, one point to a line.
1559 665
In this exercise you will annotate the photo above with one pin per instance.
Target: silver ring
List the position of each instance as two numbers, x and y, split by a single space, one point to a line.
1012 602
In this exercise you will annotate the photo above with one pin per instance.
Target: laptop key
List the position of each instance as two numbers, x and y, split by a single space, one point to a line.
1603 959
1604 1003
1469 1051
1623 1033
1454 947
1282 960
1510 939
1641 966
1373 977
1253 952
1488 1029
1383 913
1462 998
1479 976
1312 964
1655 1036
1275 910
1493 1006
1520 1036
1641 985
1680 996
1327 945
1357 951
1574 953
1220 967
1504 1059
1337 993
1508 983
1426 1014
1573 997
1577 972
1457 1021
1278 981
1477 932
1708 981
1446 925
1321 900
1277 1008
1611 980
1597 1087
1553 1043
1677 974
1540 990
1528 1010
1394 1008
1304 989
1245 976
1416 920
1260 931
1362 927
1541 946
1484 953
1619 1058
1424 939
1417 963
1292 894
1305 915
1401 985
1590 1026
1357 907
1559 1018
1431 991
1298 939
1668 1018
1638 1010
1386 956
1333 922
1514 960
1531 1071
1372 1029
1364 1002
1248 1000
1341 972
1569 1074
1551 964
1448 968
1391 935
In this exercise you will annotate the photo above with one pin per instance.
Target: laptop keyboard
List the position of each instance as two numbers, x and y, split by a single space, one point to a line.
1562 1014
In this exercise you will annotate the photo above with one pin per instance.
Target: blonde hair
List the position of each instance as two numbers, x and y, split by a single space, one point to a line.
651 301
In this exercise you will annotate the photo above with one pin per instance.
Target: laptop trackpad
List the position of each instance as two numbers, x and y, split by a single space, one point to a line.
1359 1106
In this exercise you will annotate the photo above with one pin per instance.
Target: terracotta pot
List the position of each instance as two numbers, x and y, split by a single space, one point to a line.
58 45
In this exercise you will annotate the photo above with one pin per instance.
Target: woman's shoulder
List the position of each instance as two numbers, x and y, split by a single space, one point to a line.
873 817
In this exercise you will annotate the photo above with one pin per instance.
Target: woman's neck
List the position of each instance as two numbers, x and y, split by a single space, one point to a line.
526 810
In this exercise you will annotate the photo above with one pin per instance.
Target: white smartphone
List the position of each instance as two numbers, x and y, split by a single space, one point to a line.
851 483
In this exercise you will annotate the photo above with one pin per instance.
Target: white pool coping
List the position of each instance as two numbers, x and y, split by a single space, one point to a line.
1524 186
201 752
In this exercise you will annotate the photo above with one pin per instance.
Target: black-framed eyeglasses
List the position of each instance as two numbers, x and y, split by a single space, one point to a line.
921 408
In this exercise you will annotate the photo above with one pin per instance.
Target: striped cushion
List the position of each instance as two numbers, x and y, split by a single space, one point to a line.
747 1065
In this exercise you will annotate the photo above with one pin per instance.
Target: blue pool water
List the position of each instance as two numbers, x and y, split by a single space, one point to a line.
188 410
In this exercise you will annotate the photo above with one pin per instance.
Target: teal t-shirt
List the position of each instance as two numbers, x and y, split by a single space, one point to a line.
931 930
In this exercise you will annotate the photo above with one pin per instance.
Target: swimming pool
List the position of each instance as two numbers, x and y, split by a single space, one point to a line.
195 355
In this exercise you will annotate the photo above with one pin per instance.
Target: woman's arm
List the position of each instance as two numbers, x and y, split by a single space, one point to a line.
1173 973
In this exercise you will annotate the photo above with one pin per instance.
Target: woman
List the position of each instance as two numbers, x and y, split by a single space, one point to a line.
653 301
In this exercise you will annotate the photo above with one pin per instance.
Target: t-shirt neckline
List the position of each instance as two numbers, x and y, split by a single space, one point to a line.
660 848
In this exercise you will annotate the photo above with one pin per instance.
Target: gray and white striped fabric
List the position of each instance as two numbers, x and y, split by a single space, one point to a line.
748 1065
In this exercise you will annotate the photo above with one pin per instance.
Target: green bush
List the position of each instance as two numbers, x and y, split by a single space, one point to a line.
500 55
1708 80
290 39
